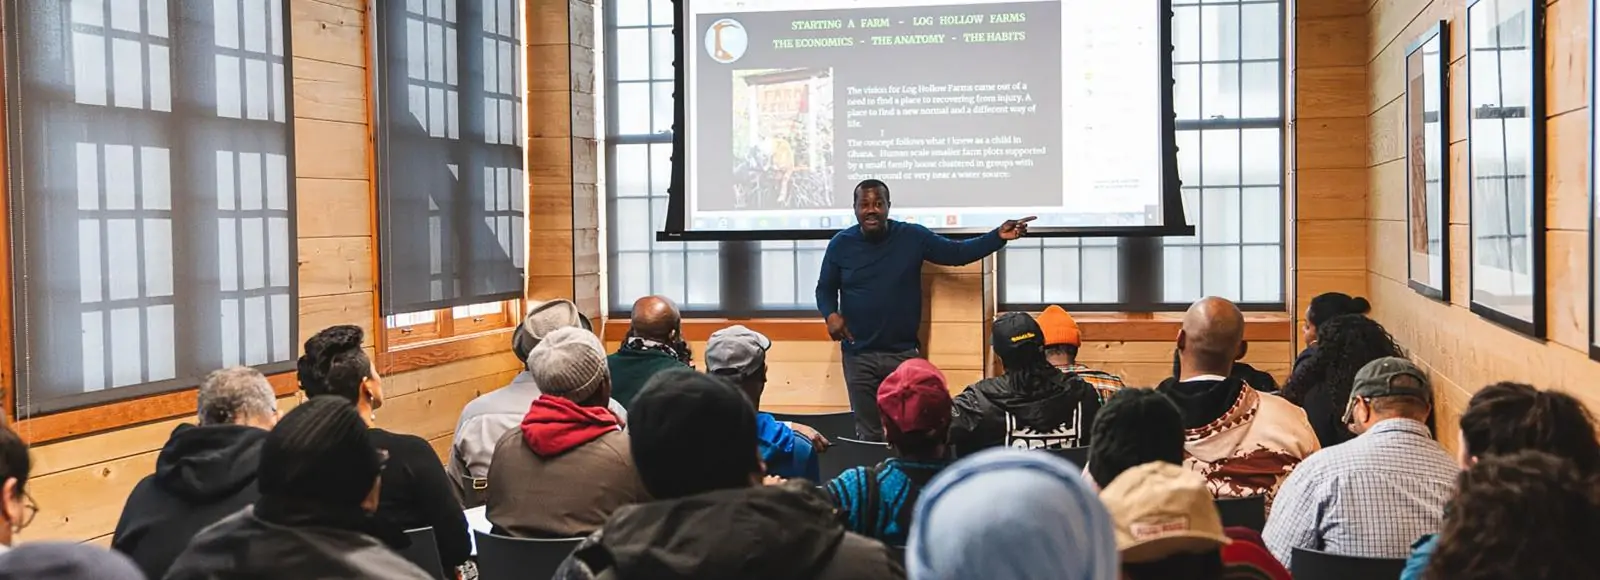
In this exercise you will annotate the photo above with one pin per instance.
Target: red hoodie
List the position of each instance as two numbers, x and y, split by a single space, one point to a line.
555 425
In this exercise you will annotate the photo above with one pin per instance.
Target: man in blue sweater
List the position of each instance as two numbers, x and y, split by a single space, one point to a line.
870 292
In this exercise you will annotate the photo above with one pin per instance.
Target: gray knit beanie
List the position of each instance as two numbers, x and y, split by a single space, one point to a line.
66 561
542 319
569 363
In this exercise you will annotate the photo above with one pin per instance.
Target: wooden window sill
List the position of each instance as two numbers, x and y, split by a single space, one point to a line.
128 413
1095 326
427 354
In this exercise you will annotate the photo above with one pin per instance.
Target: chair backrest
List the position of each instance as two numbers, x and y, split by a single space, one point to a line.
1079 456
505 558
424 552
830 425
847 453
1248 512
1313 565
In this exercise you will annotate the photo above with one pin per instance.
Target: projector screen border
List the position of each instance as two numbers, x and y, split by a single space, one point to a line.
1174 220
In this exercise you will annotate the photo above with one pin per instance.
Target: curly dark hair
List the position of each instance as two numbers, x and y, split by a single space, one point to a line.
334 364
1508 417
1528 515
1344 345
1135 427
1327 306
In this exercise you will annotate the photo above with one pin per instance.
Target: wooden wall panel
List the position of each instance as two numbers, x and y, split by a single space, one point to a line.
82 483
1463 351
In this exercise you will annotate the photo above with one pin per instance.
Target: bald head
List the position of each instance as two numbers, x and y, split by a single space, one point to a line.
655 318
1213 330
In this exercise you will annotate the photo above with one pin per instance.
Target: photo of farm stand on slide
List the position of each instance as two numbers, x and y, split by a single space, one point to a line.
783 138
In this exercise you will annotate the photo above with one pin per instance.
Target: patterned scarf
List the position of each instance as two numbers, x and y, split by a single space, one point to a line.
678 349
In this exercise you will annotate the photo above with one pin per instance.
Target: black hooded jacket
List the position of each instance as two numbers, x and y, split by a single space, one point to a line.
203 474
1032 408
772 533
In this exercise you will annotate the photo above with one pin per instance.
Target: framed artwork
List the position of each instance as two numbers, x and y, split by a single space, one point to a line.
1505 162
1427 164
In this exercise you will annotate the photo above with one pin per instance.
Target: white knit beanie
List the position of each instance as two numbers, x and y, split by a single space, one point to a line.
569 363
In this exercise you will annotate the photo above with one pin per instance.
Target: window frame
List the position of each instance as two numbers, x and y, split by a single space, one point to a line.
144 402
446 326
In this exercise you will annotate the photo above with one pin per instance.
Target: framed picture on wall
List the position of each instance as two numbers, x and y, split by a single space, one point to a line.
1427 164
1505 162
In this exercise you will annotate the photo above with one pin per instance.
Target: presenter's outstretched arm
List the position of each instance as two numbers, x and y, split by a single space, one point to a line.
828 296
947 252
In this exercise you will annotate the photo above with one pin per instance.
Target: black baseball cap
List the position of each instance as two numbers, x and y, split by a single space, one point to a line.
1016 333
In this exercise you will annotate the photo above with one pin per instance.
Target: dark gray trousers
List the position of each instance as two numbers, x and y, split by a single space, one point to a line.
863 372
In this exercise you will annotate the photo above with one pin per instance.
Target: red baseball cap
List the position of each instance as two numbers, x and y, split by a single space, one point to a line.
914 399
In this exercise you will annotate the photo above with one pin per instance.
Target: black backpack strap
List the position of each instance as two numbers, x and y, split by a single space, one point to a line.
871 501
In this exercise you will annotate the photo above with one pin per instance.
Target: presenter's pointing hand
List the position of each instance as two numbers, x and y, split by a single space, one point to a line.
1014 229
837 328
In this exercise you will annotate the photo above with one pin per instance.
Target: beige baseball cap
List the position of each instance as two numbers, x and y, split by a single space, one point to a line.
1160 510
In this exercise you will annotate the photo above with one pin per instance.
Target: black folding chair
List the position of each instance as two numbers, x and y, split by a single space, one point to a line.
424 552
830 425
846 453
1249 512
1314 565
506 558
1079 456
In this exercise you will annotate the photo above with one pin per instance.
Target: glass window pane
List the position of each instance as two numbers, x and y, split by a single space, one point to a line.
633 108
1263 274
705 279
1062 274
1219 157
1219 34
1186 91
661 53
777 278
631 170
1262 219
631 225
1182 276
632 50
1260 26
1221 271
1186 34
1261 97
631 12
1221 211
1219 90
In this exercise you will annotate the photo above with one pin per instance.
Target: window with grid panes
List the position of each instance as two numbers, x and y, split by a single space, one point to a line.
1228 95
151 195
771 278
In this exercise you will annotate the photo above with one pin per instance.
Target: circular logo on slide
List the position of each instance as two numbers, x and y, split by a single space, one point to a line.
726 40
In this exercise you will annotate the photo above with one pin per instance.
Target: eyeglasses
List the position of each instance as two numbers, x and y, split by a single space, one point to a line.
30 508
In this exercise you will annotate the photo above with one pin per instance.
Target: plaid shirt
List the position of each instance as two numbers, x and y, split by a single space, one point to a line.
1103 382
1369 497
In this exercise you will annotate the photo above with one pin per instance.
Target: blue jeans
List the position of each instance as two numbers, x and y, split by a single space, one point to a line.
863 372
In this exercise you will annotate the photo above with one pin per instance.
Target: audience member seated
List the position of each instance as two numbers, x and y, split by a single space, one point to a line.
1061 343
692 438
1376 494
1137 426
203 473
1528 515
319 481
739 355
1167 524
1324 307
416 491
877 500
485 419
654 344
67 561
1321 384
568 467
16 506
1243 442
1031 405
1505 418
1258 379
1009 514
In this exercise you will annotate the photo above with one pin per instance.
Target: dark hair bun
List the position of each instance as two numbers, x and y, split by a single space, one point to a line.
1359 305
319 353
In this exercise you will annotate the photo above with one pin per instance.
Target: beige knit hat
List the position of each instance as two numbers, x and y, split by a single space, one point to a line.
1160 510
569 363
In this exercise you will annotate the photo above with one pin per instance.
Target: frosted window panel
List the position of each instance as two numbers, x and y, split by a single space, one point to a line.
661 53
1219 90
660 168
435 53
1220 157
1100 285
278 94
120 180
1221 271
633 54
633 108
628 269
704 278
436 112
155 179
1219 21
1221 215
127 335
257 87
508 17
1189 157
1263 274
1022 275
451 66
278 258
661 12
452 111
160 80
632 170
507 68
667 274
1062 280
89 281
662 105
161 340
277 181
157 257
250 181
1259 27
225 19
1261 97
256 349
94 367
275 12
90 12
88 176
1186 34
778 278
1262 157
125 15
255 26
225 180
416 50
122 259
1186 91
229 100
228 254
89 69
809 266
1262 213
1182 275
282 344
